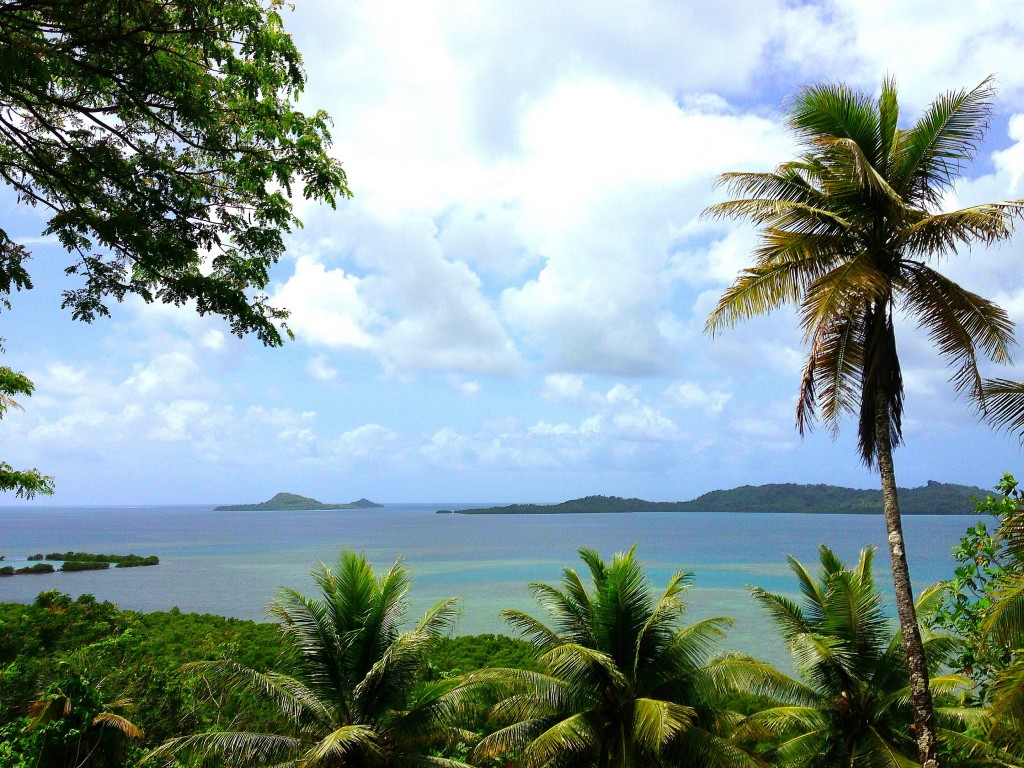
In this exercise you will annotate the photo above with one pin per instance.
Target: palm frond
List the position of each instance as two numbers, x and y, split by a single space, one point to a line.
691 645
733 672
832 378
958 322
1005 619
761 289
788 720
655 722
877 751
571 736
803 749
1004 404
123 724
340 742
240 748
701 747
574 662
932 152
533 630
287 693
785 613
834 111
853 172
439 618
511 738
1007 695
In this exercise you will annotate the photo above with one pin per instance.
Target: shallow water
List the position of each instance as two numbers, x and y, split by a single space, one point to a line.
232 563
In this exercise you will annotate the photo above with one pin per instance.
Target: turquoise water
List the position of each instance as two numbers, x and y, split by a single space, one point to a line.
232 563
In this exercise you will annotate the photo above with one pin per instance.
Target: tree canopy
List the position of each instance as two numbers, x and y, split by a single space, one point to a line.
24 482
163 141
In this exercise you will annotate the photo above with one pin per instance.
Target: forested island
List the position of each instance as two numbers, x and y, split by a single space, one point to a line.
283 502
78 561
934 498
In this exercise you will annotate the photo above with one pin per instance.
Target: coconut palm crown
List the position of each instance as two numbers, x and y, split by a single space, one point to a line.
847 231
850 707
355 696
625 683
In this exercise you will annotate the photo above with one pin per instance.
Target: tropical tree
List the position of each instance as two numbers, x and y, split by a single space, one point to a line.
851 705
847 229
355 696
986 566
623 682
161 139
1002 625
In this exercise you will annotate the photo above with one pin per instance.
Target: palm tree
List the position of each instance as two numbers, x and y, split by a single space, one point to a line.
851 706
624 683
356 697
846 231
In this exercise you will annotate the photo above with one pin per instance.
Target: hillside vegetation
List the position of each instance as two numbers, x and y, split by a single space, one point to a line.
932 499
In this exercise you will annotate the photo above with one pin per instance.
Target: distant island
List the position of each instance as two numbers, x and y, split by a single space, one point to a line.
932 499
283 502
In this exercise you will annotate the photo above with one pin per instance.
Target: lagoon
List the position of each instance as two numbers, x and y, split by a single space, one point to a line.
232 563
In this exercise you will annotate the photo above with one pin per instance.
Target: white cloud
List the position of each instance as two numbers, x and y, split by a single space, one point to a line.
326 306
688 394
365 441
213 340
320 369
563 386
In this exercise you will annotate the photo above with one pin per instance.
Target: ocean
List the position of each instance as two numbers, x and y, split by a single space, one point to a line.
232 563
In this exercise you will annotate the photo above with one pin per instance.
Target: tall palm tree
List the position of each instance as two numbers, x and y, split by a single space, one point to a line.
624 683
355 697
851 706
846 231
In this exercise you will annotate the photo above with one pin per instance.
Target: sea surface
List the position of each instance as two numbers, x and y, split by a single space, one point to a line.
232 563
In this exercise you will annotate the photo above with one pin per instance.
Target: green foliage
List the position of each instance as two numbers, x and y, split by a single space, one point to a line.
25 483
76 722
622 681
138 656
121 561
84 565
851 703
983 563
455 655
37 568
355 694
163 141
931 499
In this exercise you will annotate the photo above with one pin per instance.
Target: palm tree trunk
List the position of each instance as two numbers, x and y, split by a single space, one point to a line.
920 693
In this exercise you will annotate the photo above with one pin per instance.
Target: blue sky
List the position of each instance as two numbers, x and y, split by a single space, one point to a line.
511 307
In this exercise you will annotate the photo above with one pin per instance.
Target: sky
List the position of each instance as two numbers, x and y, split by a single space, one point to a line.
511 307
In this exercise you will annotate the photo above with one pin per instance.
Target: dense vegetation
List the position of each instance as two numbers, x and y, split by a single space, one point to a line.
79 561
931 499
120 561
10 570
